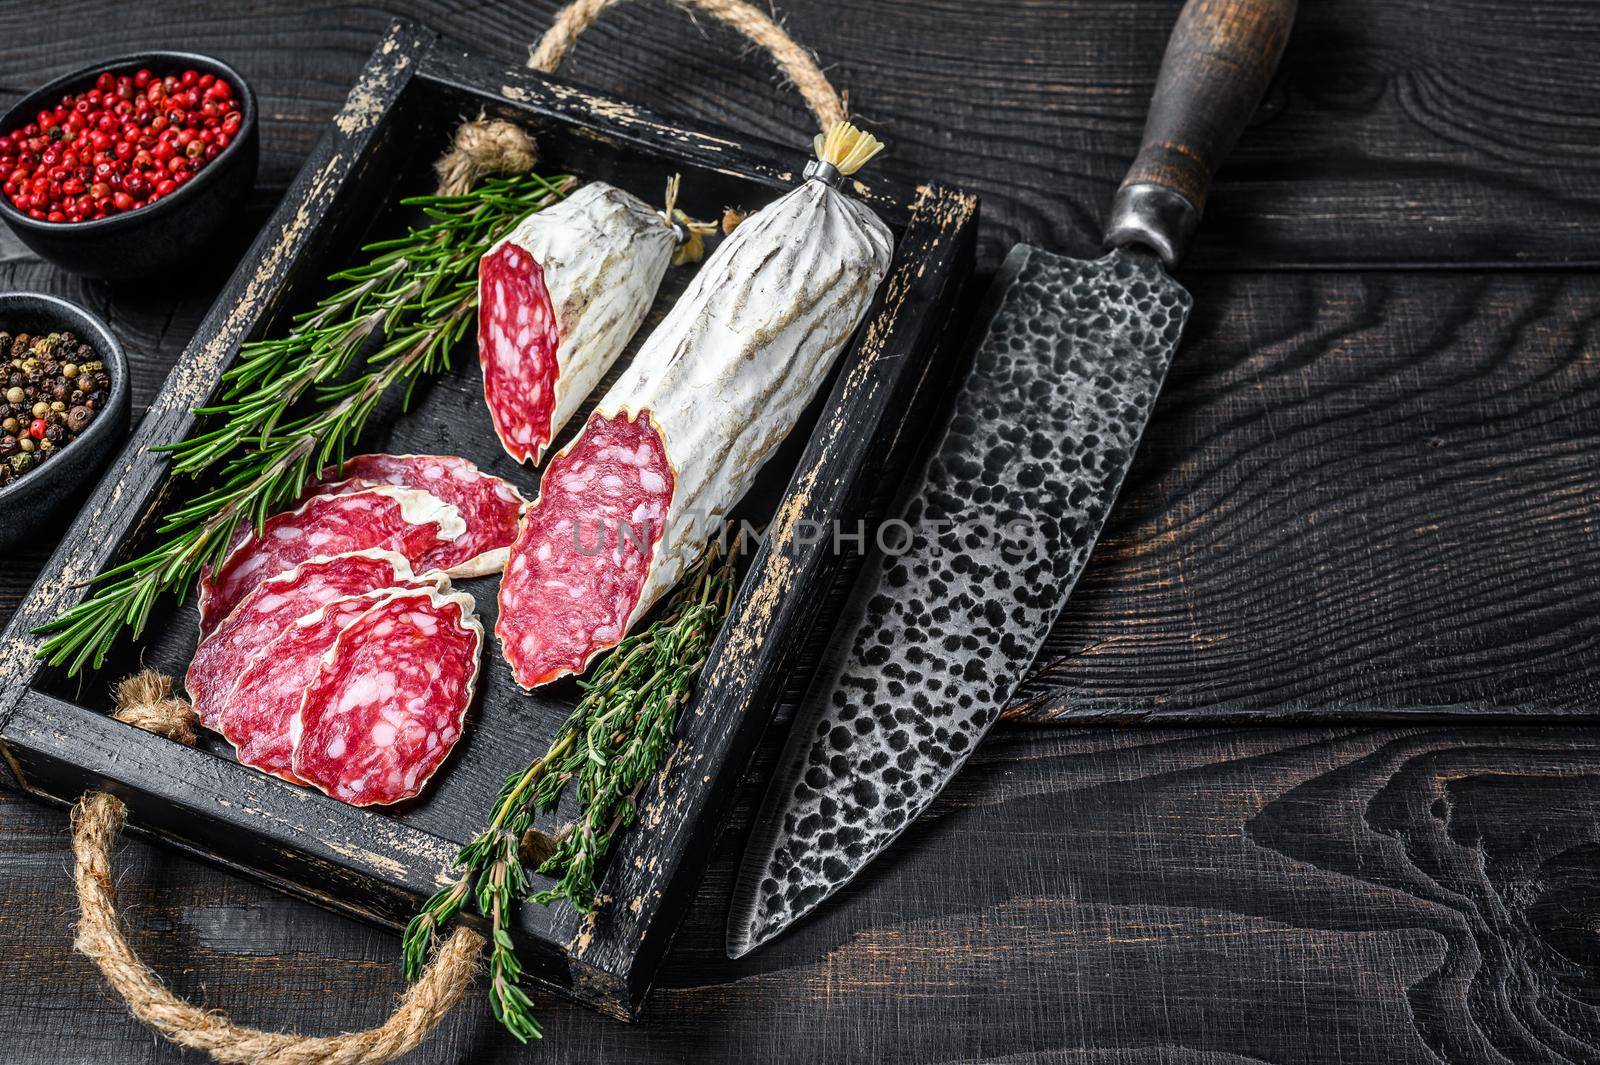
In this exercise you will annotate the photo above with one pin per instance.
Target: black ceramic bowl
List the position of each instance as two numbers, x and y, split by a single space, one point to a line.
147 241
32 504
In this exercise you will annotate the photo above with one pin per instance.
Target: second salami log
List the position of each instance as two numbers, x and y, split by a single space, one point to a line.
625 508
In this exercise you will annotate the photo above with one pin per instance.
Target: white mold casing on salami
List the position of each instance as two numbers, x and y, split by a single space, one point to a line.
727 374
603 253
724 380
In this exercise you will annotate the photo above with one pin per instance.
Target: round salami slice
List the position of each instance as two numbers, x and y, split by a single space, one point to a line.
275 603
258 716
517 341
489 505
391 699
578 566
402 520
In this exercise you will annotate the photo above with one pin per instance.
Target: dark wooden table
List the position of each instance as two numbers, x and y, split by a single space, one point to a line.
1305 774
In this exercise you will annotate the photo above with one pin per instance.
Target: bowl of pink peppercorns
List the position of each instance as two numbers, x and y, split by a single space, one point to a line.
127 168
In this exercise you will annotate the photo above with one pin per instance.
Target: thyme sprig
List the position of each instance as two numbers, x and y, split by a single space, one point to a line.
414 298
612 744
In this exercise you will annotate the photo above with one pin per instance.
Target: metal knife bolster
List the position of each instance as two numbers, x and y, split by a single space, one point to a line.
1003 514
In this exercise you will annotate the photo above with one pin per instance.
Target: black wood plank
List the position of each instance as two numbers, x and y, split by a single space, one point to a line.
1361 495
1453 132
1296 897
1408 896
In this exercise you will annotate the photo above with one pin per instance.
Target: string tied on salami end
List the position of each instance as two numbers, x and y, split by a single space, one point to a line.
146 700
689 233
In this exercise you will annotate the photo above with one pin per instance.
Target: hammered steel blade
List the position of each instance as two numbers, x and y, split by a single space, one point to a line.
933 642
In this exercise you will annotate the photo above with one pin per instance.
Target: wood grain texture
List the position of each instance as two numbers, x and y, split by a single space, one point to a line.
1093 896
1445 132
1360 495
1284 896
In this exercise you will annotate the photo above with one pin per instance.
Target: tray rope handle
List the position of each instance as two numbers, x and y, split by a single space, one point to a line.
483 147
146 700
480 148
796 62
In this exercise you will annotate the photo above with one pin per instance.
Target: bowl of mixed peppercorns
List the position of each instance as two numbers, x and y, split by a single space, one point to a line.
126 168
64 401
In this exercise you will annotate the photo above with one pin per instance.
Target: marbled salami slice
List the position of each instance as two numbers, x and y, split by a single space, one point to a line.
258 716
573 583
274 604
391 699
517 342
489 505
403 520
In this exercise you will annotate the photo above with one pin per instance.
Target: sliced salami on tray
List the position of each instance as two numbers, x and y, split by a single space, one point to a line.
406 521
275 604
390 699
489 505
259 715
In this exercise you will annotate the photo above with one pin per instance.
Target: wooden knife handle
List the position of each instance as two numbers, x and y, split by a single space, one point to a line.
1219 61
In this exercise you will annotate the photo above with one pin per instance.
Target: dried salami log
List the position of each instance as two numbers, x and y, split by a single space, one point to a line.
580 561
558 299
489 505
391 699
403 520
719 383
258 716
277 602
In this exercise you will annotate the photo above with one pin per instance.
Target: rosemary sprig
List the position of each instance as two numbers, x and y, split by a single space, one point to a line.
613 743
417 292
406 277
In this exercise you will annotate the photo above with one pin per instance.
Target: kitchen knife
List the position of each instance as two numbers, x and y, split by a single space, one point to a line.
952 606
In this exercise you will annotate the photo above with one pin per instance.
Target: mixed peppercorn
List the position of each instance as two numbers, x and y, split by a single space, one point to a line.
124 144
54 386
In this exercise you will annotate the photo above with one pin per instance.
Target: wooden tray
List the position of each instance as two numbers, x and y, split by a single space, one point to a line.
59 740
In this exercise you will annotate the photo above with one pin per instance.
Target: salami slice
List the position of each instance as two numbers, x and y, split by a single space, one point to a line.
391 699
258 716
489 505
572 585
558 300
277 602
408 522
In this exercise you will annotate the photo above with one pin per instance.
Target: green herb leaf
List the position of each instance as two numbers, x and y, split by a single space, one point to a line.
613 744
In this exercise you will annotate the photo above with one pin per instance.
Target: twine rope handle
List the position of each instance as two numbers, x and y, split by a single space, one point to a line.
796 62
485 147
146 700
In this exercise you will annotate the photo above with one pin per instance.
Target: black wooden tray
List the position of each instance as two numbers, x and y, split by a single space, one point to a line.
59 740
